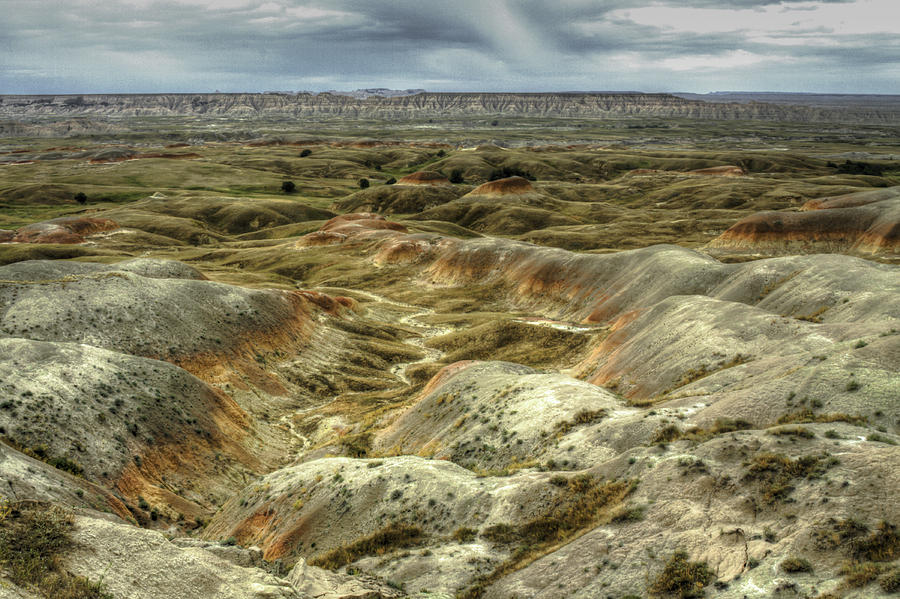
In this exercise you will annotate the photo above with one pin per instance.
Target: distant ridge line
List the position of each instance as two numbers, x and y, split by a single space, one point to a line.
446 104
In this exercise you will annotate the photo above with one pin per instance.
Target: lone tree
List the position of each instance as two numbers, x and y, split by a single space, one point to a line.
363 183
81 198
288 187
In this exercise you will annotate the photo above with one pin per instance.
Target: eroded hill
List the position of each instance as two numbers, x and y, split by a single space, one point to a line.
490 371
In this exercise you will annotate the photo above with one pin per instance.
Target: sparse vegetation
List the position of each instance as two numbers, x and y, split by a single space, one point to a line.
34 537
793 564
391 537
42 452
775 473
464 534
681 578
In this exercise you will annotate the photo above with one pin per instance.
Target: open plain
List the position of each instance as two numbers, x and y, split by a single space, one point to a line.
471 345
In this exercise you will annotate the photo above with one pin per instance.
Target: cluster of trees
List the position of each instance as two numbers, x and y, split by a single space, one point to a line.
858 168
456 175
510 171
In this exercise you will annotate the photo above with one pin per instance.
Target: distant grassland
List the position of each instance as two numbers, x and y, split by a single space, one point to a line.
586 195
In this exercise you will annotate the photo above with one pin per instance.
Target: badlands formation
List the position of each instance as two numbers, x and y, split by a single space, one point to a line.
639 366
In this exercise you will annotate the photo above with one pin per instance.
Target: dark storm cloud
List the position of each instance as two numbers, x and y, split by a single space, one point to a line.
200 45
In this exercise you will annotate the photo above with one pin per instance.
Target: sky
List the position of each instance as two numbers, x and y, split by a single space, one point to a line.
149 46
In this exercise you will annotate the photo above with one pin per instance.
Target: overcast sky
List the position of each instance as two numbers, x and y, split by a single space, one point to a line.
79 46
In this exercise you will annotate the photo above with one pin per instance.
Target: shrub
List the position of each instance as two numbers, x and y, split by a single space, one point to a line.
681 578
363 183
509 171
81 198
793 564
377 543
775 473
456 176
390 181
883 545
33 538
875 437
629 513
305 152
859 575
502 534
666 434
464 534
575 506
558 480
288 187
890 582
860 168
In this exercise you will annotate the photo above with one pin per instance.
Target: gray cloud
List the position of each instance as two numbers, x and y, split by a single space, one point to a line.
493 45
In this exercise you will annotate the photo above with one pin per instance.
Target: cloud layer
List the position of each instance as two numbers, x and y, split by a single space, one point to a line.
75 46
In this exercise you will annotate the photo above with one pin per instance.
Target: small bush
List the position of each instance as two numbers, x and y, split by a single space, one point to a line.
33 538
795 431
860 574
502 534
81 198
629 513
875 437
390 181
890 582
288 187
378 543
793 564
883 545
464 534
775 473
838 533
456 176
363 183
305 152
64 463
681 578
666 434
510 171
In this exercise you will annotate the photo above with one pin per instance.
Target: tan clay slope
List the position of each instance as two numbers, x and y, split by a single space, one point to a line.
67 229
501 187
424 178
759 372
92 331
865 223
599 288
140 427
